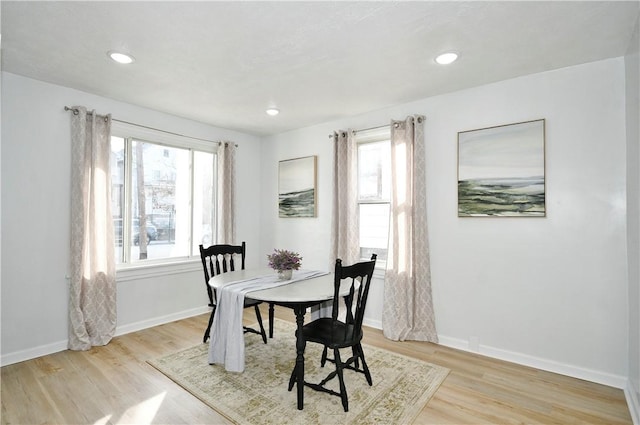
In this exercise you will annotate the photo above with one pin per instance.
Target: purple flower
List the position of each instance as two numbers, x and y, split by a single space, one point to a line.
281 259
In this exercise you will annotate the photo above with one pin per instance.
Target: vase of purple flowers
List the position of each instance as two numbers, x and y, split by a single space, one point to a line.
284 262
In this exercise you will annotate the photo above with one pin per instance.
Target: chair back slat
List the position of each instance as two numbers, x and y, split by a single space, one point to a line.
358 277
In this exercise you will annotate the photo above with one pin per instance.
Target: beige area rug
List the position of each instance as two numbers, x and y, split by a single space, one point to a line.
402 386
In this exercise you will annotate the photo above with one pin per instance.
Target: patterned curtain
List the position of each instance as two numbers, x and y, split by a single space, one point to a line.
92 290
226 193
408 307
344 220
344 231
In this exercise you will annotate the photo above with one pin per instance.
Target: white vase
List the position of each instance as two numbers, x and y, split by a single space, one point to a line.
285 274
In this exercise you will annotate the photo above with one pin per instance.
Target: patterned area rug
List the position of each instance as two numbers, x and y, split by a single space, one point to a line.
402 386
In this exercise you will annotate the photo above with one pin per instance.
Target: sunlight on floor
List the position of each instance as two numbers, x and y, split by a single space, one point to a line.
140 414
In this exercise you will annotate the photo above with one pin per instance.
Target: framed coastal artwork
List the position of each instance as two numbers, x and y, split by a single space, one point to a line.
297 187
501 171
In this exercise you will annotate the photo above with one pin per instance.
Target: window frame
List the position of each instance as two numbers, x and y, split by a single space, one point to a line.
363 137
157 267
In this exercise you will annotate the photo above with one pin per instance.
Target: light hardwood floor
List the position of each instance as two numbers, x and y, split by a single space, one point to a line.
115 385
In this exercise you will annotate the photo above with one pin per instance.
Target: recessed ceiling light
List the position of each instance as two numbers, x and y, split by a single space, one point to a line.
447 58
121 57
272 111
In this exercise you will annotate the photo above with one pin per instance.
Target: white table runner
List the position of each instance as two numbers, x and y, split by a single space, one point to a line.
226 344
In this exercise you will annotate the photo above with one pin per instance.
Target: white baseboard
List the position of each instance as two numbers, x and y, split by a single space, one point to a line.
591 375
161 320
633 403
32 353
55 347
377 324
599 377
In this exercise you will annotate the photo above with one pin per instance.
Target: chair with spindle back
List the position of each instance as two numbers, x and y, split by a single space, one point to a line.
335 334
218 259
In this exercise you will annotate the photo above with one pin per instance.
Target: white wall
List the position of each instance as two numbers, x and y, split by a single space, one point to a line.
632 88
550 292
35 219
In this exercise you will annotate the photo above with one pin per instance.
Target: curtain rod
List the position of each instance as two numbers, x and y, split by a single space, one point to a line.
75 112
365 129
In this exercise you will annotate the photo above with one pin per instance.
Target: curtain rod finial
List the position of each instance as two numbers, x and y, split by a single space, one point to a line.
75 110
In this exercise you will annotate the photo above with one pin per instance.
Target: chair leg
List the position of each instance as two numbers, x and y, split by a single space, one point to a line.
365 368
271 314
343 389
292 378
262 331
323 360
208 331
356 362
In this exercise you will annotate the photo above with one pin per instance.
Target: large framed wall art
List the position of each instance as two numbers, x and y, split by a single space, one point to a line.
501 171
297 187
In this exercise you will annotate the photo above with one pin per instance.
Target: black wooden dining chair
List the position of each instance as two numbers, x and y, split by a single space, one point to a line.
335 334
218 259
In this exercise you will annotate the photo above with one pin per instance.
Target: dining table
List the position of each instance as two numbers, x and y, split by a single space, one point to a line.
298 295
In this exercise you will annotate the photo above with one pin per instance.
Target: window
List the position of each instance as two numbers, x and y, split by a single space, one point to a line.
163 193
374 192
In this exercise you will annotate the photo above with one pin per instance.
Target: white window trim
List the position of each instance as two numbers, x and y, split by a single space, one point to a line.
374 135
377 134
154 268
147 271
122 129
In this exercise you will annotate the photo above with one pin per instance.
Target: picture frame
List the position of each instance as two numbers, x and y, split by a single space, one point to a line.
501 171
297 181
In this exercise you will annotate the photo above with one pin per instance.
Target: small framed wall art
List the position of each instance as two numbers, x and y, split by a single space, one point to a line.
501 171
297 187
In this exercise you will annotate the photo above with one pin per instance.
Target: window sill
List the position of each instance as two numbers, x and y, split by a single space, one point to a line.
146 271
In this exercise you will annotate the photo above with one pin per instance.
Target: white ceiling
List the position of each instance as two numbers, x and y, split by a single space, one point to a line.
224 63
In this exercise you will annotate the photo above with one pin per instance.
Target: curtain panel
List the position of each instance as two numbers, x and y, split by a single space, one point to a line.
92 288
344 224
344 215
408 308
226 202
